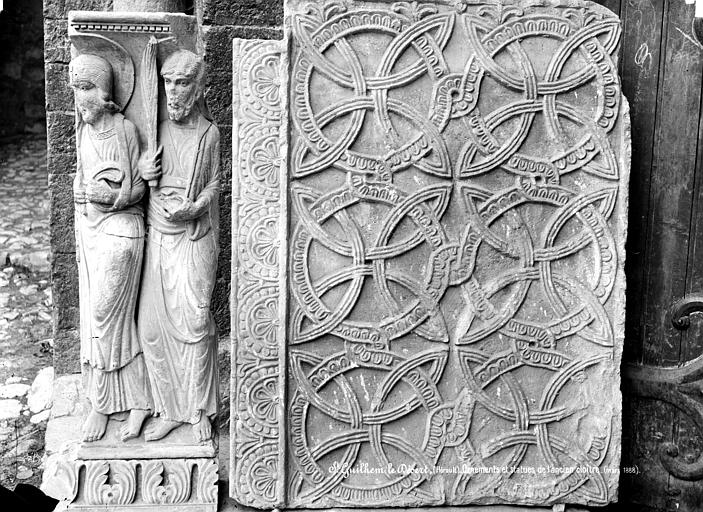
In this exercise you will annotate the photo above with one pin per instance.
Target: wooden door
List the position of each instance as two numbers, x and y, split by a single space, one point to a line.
662 70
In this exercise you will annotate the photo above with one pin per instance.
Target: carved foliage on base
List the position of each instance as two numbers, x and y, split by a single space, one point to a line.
122 486
139 483
257 330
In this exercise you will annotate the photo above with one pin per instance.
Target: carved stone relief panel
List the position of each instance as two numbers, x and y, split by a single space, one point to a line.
146 196
430 221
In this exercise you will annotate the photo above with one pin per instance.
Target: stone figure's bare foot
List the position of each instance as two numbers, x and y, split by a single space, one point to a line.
159 429
95 426
202 429
136 419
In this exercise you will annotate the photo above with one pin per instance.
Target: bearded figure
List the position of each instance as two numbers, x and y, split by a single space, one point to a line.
109 225
175 324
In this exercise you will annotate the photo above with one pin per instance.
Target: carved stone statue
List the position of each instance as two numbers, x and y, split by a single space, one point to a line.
109 245
175 324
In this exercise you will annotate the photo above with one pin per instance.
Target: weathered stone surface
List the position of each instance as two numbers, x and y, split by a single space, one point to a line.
63 236
149 5
13 390
10 408
65 286
40 417
39 397
218 90
60 135
439 263
226 163
66 345
243 12
60 163
57 47
56 87
54 9
218 44
67 397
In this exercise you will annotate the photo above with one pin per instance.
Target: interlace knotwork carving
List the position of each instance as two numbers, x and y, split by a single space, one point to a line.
456 200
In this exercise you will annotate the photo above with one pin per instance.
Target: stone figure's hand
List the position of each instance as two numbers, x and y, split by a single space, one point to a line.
187 210
150 165
99 192
158 206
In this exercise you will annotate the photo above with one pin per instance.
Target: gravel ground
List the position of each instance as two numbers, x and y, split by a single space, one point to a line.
25 311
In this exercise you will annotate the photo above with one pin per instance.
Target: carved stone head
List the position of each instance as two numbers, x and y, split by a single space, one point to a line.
91 80
183 76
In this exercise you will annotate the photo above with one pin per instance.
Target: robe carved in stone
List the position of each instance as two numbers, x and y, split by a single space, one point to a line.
110 243
176 326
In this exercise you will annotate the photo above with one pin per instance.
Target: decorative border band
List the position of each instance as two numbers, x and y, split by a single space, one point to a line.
119 27
259 205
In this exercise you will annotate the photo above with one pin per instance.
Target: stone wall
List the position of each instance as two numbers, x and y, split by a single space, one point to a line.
21 68
221 21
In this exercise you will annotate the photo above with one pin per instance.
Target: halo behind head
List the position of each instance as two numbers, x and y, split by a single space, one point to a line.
118 58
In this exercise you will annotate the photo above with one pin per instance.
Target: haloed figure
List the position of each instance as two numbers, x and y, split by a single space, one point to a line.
109 245
176 326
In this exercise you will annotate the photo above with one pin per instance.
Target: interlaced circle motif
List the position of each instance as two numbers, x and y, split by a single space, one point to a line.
373 252
451 253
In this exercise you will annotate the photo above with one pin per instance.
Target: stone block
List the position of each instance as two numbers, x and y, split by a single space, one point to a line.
243 12
61 432
10 409
218 93
218 43
60 163
63 238
68 400
64 275
60 132
40 394
57 47
226 158
54 9
220 303
66 345
429 218
57 9
59 96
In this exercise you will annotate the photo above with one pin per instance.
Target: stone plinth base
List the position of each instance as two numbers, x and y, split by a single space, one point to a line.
175 474
176 485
